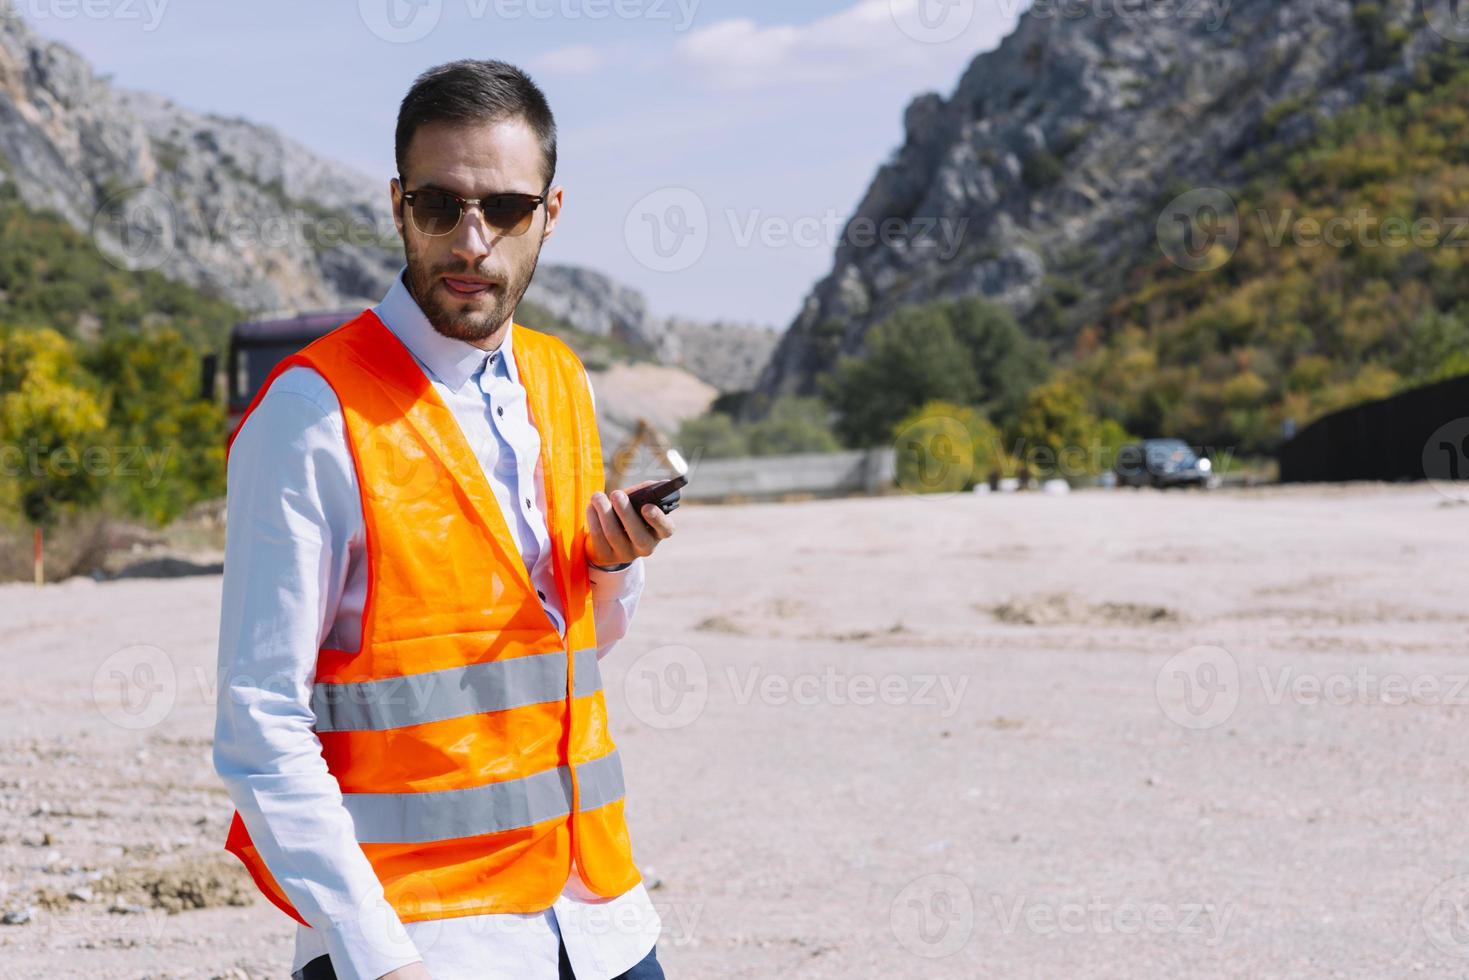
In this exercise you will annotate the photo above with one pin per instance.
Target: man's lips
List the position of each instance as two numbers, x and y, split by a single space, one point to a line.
462 286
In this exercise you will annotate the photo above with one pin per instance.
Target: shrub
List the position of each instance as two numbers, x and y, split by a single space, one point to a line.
793 425
965 352
1058 435
49 425
946 448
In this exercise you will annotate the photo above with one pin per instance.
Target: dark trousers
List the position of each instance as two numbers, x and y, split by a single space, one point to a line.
647 969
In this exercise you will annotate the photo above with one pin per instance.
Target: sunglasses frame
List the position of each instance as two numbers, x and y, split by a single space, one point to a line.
464 203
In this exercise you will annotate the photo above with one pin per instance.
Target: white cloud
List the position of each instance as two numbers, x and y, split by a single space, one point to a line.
577 59
869 38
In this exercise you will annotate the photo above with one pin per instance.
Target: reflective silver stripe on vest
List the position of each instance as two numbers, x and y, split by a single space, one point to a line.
417 818
497 685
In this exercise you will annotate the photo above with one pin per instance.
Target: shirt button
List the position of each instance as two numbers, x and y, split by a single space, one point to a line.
500 410
540 593
527 501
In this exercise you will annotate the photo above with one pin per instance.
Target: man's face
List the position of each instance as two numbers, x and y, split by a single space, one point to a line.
470 281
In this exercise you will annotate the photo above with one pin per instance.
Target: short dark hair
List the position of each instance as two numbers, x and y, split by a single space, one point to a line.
470 91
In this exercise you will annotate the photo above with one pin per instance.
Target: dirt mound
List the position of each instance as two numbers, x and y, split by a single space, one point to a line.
1070 609
198 883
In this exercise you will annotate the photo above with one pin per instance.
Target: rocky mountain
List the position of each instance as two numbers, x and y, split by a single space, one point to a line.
1044 173
238 210
212 202
728 356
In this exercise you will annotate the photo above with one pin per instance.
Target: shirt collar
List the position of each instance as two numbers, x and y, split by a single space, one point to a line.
452 362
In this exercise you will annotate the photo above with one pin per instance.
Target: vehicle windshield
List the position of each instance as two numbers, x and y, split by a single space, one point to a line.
1170 455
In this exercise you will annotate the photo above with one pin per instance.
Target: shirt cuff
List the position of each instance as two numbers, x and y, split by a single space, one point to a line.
371 945
614 580
610 568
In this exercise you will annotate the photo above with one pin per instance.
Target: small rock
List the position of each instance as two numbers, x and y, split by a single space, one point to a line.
18 917
80 894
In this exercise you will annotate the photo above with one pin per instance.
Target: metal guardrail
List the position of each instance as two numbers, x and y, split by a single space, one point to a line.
766 477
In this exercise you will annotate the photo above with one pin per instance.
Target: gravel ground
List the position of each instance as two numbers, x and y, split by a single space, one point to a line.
1099 735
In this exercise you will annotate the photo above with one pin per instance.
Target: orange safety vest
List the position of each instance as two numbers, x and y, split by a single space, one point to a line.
468 737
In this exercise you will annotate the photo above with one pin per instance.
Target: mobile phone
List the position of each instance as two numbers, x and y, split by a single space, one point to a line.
664 494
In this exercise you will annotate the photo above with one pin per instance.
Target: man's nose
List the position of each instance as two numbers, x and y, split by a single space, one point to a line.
472 238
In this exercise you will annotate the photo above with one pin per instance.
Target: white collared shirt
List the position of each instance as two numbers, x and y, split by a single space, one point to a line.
295 580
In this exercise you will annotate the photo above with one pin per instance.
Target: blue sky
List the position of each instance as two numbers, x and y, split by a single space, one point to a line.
742 135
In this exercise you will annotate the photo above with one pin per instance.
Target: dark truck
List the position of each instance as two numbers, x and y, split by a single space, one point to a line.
256 347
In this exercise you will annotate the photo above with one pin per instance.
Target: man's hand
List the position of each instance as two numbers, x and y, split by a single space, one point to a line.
616 534
413 971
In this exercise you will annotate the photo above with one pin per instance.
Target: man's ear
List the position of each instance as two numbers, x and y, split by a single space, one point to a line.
555 199
395 194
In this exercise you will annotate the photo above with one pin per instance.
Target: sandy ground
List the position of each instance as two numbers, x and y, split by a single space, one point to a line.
1104 735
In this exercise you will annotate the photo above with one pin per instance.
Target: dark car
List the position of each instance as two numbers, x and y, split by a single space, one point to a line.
1162 463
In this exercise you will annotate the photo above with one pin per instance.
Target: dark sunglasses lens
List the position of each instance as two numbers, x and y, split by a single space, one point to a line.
510 215
435 213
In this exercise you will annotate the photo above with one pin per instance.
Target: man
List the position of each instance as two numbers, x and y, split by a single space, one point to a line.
421 574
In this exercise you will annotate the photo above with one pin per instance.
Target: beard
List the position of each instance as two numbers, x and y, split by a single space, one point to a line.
473 319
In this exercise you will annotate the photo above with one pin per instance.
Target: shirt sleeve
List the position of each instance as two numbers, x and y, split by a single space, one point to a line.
292 508
615 598
615 594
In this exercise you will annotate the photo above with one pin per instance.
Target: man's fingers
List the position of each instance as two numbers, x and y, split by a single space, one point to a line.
595 530
628 534
640 535
661 523
611 525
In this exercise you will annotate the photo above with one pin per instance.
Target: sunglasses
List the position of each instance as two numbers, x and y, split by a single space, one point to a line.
436 213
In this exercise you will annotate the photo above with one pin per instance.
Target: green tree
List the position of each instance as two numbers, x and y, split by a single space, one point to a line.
946 448
51 426
1058 435
793 425
967 352
167 445
715 435
1437 348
